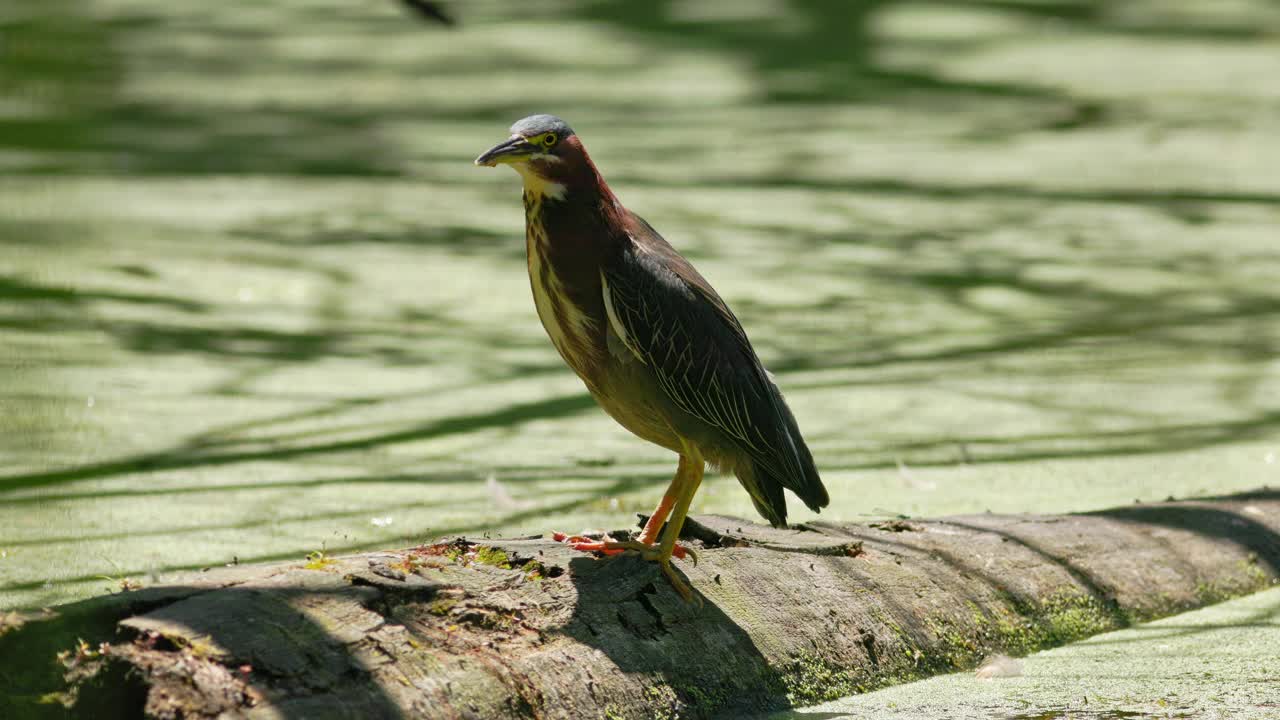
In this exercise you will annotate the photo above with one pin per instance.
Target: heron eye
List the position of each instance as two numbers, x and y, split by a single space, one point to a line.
549 139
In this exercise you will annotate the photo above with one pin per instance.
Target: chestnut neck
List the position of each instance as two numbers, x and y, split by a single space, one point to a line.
575 170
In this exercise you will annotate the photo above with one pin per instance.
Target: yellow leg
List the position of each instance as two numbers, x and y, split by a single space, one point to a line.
686 487
649 535
692 478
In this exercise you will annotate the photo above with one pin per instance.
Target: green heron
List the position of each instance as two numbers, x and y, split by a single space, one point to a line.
651 339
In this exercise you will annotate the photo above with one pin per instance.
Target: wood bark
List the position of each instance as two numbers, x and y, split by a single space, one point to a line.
528 628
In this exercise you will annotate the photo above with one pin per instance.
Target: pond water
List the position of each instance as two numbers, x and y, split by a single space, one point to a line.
256 301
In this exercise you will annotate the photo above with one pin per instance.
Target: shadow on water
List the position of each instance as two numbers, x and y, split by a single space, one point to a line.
86 124
150 462
833 51
822 51
814 51
514 518
86 119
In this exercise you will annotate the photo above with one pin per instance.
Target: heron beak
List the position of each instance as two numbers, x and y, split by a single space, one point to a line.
512 150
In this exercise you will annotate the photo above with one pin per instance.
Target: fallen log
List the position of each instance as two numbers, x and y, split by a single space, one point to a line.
529 629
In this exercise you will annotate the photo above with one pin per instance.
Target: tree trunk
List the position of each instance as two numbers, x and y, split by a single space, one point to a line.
528 628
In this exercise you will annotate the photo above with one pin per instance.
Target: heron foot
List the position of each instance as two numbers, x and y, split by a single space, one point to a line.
609 546
677 583
649 552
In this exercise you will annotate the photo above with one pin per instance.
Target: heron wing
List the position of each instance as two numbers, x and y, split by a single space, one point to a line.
671 318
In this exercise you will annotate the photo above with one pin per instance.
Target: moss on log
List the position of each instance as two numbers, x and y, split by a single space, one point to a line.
529 629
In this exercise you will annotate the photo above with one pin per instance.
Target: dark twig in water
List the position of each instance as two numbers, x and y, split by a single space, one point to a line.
429 11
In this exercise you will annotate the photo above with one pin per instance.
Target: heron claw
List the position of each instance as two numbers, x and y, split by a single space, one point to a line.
677 583
609 546
650 552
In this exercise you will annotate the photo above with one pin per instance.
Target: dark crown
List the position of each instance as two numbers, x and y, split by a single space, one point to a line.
538 124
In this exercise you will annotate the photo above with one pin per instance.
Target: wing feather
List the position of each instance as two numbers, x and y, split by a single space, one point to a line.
675 323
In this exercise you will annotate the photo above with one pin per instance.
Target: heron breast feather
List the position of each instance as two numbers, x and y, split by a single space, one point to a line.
569 326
